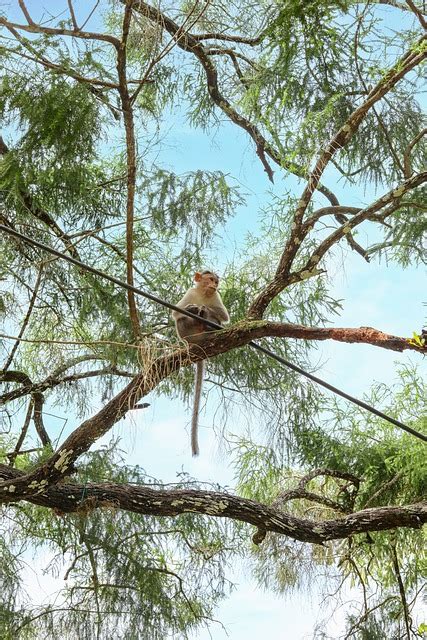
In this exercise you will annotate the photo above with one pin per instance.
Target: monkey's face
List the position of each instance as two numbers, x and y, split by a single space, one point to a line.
208 283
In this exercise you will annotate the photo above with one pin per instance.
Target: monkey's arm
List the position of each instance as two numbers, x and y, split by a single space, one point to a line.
218 311
219 315
189 328
188 299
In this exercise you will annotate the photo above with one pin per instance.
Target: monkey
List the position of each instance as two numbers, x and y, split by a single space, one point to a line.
203 300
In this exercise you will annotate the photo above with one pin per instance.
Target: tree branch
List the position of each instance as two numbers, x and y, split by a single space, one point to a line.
299 230
41 214
235 336
126 104
408 150
215 343
408 62
26 319
84 35
191 43
391 201
145 500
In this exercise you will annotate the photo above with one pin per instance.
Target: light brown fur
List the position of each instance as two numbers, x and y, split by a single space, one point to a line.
203 300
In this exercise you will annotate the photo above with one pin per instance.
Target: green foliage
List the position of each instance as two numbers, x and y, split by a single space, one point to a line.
383 459
404 239
53 166
136 577
192 205
65 181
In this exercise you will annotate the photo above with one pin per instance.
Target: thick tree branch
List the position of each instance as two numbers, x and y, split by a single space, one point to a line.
229 38
215 343
236 336
173 502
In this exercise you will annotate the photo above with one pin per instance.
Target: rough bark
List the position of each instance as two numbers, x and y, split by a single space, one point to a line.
59 464
144 500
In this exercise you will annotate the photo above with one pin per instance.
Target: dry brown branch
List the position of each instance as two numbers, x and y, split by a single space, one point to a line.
391 200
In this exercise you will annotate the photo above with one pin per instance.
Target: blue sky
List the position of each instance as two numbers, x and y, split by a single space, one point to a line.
375 295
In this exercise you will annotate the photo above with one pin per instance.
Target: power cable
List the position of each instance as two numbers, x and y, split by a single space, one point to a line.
173 307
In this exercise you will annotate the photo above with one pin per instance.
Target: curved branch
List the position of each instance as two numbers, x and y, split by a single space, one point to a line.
38 400
173 502
238 335
390 201
191 43
54 379
217 342
24 429
299 230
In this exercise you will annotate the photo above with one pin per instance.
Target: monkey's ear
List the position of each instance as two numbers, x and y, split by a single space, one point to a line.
197 276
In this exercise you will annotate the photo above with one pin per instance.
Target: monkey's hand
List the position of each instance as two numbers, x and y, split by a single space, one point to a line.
193 308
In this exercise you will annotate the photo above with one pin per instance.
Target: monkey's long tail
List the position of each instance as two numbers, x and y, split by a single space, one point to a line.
200 370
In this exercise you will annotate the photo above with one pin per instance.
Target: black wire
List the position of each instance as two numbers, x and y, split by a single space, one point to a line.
254 345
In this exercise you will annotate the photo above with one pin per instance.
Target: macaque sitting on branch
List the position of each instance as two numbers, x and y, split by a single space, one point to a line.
204 301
